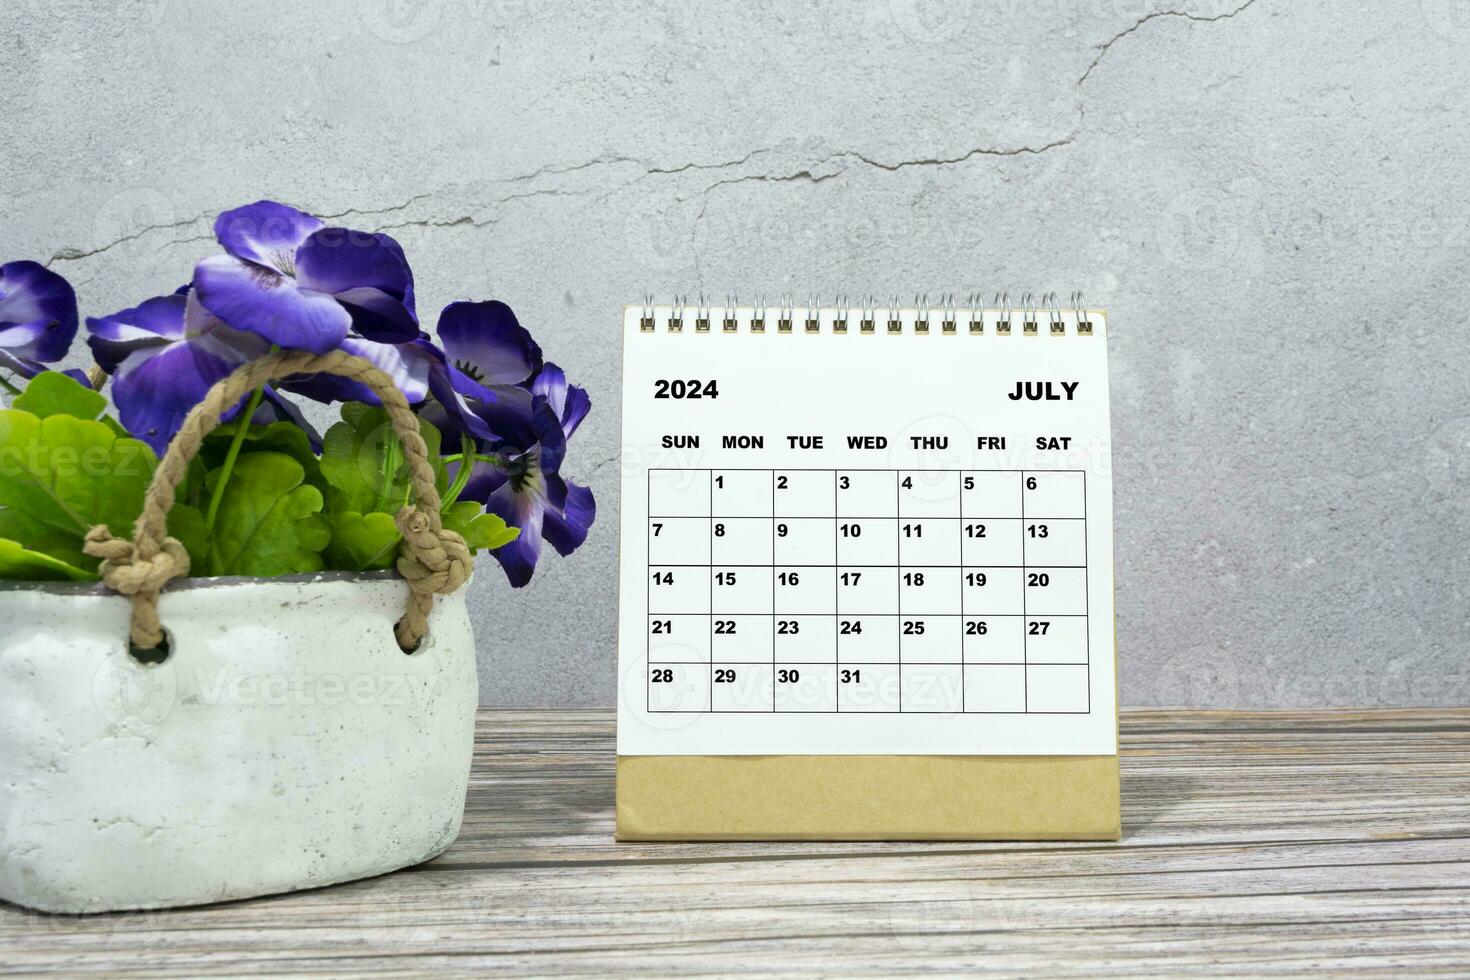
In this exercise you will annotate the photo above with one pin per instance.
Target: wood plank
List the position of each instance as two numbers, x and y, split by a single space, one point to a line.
1255 842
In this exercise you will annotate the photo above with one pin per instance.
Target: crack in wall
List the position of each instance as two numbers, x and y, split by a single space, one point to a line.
805 174
649 170
1107 45
388 210
471 220
76 254
811 173
587 477
979 151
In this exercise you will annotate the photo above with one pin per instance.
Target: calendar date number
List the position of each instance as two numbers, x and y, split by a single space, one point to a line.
685 388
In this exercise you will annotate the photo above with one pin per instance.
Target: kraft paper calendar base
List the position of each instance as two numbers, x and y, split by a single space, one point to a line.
867 797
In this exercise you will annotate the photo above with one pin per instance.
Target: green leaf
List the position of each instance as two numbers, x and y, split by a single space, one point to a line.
186 523
61 475
281 437
479 530
363 465
62 545
191 488
362 542
21 563
269 520
365 542
53 393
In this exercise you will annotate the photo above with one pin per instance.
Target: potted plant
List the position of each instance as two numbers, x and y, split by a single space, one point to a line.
234 654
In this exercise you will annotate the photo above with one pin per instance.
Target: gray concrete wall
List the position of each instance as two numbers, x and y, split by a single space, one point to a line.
1269 196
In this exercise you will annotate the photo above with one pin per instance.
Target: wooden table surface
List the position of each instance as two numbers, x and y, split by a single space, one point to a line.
1291 843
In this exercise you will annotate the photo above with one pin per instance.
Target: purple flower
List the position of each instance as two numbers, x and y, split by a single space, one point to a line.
38 317
528 491
481 383
164 354
300 284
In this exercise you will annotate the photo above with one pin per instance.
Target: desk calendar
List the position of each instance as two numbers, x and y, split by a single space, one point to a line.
869 541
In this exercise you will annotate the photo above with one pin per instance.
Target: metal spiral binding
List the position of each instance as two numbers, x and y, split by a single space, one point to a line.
946 316
1084 325
727 322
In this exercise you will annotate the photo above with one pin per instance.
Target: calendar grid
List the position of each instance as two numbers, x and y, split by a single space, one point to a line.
898 570
648 593
712 621
1025 628
836 605
942 659
1086 603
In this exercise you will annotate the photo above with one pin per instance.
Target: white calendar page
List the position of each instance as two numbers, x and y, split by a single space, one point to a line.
865 542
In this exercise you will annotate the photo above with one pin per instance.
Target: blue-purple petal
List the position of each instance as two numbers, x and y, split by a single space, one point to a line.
509 416
497 415
38 313
551 384
485 480
407 364
551 441
391 243
255 298
378 316
486 342
197 319
156 387
451 411
152 323
566 528
578 405
334 260
265 233
570 403
522 511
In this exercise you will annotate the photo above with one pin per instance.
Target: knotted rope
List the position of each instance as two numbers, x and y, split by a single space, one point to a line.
432 560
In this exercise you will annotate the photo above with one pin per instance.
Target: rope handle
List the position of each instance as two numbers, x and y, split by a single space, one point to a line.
432 559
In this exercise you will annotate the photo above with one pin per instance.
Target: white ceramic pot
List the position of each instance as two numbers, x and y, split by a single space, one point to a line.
285 743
